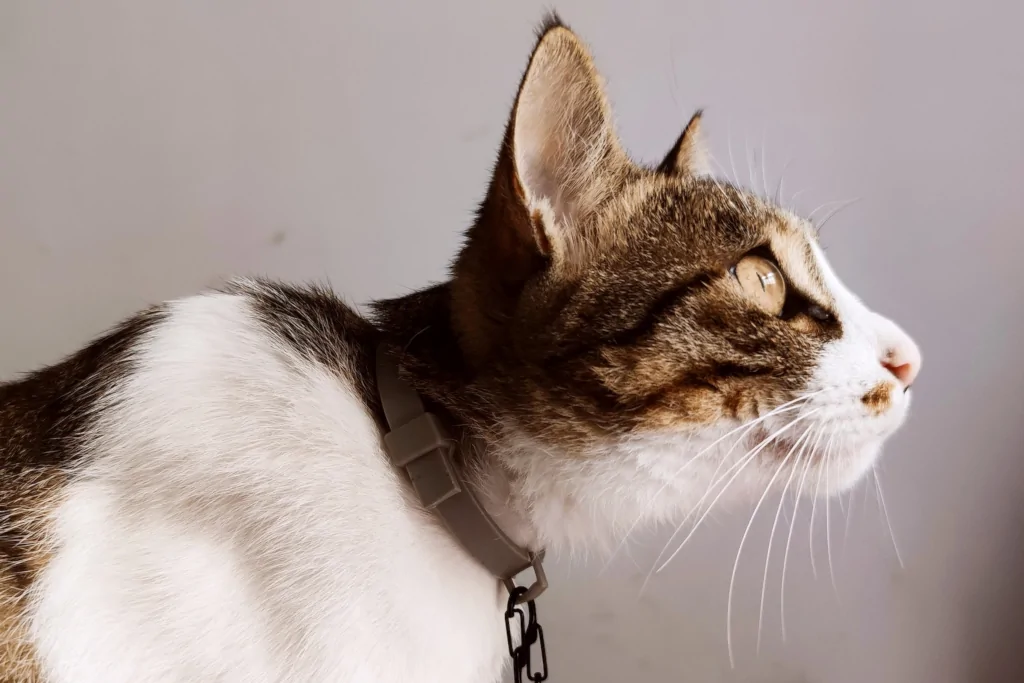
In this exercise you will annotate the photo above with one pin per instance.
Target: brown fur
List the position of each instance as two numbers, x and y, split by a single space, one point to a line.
879 398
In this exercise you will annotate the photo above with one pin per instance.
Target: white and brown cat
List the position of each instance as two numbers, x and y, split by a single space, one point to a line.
202 494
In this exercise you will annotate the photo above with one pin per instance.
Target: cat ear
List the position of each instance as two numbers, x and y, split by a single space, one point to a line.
560 160
562 131
688 155
561 141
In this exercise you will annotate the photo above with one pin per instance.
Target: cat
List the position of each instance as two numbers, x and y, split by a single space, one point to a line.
204 493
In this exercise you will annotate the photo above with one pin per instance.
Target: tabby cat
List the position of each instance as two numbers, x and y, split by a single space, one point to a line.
202 494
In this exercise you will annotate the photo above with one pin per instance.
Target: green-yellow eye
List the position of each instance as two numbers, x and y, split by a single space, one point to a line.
762 282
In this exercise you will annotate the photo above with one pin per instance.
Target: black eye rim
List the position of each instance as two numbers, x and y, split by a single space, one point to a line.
820 313
796 302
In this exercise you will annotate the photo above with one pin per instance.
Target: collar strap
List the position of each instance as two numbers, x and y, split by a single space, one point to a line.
419 443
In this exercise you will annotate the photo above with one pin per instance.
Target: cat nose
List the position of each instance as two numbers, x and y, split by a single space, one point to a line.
900 355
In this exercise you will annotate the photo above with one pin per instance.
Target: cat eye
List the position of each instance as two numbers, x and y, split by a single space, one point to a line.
762 282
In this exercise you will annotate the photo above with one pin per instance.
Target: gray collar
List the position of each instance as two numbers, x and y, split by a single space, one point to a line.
419 443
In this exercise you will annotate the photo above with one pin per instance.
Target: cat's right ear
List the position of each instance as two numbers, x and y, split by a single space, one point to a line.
689 155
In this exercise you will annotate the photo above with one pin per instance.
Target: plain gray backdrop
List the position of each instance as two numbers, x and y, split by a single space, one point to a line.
149 148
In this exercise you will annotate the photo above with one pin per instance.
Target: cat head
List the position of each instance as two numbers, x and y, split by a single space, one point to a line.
650 333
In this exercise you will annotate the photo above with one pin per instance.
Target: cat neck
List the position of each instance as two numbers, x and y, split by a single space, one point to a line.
417 330
540 496
418 333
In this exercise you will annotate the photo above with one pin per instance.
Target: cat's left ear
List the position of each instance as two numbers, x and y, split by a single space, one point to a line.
689 155
565 155
560 163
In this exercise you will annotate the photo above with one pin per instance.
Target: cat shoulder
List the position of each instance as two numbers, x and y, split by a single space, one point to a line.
253 332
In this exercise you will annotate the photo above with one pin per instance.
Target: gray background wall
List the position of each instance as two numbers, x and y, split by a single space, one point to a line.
147 148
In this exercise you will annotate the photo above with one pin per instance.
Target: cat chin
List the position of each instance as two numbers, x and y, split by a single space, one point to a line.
824 472
846 470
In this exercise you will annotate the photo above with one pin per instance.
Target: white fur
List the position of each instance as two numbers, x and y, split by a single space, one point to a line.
851 367
241 524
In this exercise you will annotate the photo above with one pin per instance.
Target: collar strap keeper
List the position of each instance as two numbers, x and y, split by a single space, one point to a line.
419 443
423 448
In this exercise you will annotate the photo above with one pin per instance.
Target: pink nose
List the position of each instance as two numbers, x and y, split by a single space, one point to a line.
900 356
905 373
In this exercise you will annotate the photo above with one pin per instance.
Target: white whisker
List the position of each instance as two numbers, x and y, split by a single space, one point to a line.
764 172
732 162
656 567
814 509
744 460
750 165
799 443
792 525
864 498
833 212
828 507
782 177
810 216
792 200
746 426
743 539
722 190
885 513
849 516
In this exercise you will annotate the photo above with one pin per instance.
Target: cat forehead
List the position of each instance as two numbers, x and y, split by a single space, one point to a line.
793 241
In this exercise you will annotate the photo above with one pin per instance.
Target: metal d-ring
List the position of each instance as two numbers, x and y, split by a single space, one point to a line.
539 585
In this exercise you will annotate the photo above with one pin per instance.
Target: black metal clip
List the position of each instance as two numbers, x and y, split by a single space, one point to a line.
530 634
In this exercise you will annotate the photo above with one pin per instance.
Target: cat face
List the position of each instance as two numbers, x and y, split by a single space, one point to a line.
652 320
